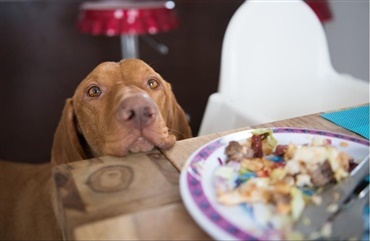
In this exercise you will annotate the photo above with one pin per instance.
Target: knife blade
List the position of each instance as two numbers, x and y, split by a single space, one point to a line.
314 216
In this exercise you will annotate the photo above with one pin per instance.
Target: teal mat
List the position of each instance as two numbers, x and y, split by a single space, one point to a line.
354 119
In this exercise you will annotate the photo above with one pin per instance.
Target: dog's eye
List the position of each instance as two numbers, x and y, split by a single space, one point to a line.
94 91
153 84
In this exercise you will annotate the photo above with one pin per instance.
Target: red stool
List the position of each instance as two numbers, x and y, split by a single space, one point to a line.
128 19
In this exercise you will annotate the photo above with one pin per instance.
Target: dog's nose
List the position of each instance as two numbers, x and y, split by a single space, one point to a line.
137 111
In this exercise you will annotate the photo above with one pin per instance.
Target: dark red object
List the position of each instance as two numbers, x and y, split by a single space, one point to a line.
321 8
114 18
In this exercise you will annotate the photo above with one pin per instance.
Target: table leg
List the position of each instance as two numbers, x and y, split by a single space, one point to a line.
129 46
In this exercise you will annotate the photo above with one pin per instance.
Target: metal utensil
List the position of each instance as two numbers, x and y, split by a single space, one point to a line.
333 196
348 224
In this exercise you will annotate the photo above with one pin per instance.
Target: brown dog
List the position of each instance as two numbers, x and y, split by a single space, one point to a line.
117 109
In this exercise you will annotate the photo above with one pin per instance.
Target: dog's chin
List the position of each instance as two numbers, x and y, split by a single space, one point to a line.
141 145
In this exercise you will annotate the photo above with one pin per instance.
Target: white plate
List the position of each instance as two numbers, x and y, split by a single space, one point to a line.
237 223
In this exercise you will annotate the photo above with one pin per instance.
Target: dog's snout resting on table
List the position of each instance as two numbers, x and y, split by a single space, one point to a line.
117 109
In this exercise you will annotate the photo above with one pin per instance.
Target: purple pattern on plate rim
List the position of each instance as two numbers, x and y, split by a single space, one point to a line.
197 162
196 189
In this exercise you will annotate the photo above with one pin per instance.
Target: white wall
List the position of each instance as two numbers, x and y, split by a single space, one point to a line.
348 37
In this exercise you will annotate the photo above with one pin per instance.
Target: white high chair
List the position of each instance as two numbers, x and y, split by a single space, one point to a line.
275 65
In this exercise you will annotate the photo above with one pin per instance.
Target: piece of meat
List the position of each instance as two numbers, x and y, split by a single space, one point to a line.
280 150
234 151
352 165
321 175
257 145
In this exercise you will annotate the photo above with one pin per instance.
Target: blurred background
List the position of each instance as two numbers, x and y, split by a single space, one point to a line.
44 57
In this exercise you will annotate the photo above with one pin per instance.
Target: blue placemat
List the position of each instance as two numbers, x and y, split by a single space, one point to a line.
354 119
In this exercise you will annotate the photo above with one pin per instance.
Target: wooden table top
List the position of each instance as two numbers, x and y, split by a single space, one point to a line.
138 197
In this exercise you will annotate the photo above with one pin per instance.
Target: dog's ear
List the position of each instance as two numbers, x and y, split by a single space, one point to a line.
66 145
177 120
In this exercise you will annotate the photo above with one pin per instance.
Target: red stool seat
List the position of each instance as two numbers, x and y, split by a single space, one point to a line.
114 18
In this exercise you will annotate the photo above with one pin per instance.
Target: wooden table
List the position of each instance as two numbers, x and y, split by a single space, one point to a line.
138 197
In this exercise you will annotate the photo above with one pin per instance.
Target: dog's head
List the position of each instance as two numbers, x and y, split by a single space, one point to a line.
119 108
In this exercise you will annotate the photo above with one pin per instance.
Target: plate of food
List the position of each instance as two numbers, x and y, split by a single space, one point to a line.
255 184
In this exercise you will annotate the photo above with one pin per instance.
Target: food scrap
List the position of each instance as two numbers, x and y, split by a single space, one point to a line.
284 178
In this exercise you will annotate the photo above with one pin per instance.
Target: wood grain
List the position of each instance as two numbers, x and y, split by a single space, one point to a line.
106 187
168 222
178 154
